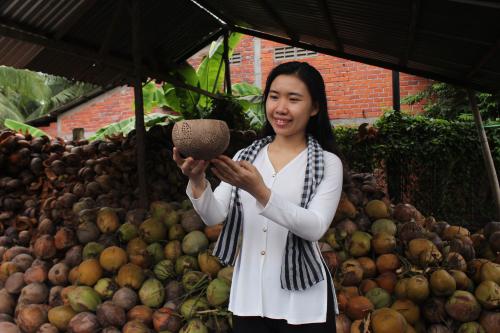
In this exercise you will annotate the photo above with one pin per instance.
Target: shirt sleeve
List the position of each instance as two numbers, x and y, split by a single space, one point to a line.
311 223
212 206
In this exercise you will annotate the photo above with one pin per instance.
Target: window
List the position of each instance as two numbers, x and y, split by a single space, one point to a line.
290 52
236 58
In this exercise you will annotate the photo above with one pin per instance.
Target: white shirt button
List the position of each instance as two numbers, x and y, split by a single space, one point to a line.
274 174
264 229
262 252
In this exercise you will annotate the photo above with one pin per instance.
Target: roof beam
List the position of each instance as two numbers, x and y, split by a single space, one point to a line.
487 4
275 16
124 65
331 25
118 9
415 13
484 59
458 79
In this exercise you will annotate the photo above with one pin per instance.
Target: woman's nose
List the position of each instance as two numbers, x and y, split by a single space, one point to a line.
282 106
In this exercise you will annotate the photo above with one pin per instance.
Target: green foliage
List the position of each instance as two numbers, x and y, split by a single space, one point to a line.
127 125
435 164
17 126
26 95
446 101
246 102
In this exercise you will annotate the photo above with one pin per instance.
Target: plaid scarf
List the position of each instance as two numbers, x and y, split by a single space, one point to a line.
300 268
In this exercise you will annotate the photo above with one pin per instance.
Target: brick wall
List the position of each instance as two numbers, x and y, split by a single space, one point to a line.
50 129
356 92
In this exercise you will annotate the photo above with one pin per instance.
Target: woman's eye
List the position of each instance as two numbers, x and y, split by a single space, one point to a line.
273 97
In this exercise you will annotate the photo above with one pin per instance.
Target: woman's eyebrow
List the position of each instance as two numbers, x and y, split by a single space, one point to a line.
289 94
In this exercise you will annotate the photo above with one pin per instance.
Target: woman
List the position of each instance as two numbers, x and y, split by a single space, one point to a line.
277 198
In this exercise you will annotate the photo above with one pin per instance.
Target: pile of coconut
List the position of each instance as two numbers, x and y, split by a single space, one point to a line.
398 271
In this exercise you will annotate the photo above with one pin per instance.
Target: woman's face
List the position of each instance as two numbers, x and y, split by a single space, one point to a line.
289 106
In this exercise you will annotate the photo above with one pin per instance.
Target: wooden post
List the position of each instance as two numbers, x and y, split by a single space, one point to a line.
227 72
485 148
140 130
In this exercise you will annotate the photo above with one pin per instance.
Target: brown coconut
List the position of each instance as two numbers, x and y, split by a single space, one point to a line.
417 288
212 232
455 260
490 271
442 283
201 139
6 327
36 273
84 322
463 306
342 324
112 258
388 263
358 307
400 290
125 298
135 326
386 320
383 243
34 293
488 295
58 274
44 247
366 285
47 328
130 275
345 209
89 272
110 314
387 281
434 310
462 280
377 209
64 238
7 302
209 264
31 317
141 313
23 261
165 319
490 321
352 273
107 220
408 309
369 267
15 283
454 231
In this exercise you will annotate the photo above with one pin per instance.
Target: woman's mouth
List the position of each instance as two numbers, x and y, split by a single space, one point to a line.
281 122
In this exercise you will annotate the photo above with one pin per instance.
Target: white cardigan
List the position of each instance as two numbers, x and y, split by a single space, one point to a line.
256 288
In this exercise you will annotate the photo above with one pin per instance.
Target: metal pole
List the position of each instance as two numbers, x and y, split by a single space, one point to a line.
485 148
227 64
140 130
396 95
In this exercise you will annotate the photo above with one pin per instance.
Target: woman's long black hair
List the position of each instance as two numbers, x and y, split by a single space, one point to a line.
319 125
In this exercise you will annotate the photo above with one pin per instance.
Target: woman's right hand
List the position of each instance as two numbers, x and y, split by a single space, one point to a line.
194 169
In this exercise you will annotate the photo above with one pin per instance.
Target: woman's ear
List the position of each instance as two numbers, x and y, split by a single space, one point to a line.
315 111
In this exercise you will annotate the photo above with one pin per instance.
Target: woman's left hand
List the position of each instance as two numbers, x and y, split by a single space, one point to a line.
241 174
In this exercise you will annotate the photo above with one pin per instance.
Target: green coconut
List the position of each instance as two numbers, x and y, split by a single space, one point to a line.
191 305
127 232
471 327
159 209
379 297
488 295
152 231
83 299
194 242
377 209
171 218
106 287
226 274
384 225
193 279
60 316
463 306
186 263
164 270
359 244
194 326
152 293
156 252
92 250
176 232
173 250
218 292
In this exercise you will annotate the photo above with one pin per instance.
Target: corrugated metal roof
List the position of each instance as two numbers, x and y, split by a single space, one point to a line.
449 40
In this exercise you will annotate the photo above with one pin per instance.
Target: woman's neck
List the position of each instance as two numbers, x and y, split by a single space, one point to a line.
296 143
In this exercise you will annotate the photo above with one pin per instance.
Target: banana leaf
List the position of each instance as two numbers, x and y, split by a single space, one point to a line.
21 127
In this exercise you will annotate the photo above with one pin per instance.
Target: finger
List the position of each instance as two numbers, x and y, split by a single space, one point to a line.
199 167
188 164
177 157
221 176
223 167
246 165
230 162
